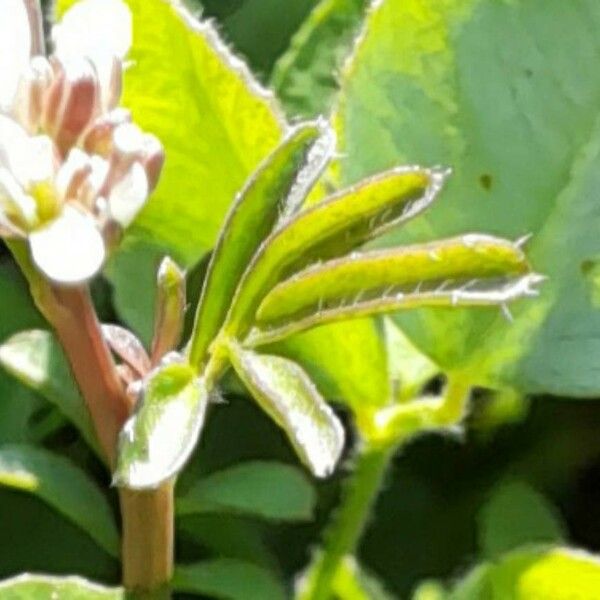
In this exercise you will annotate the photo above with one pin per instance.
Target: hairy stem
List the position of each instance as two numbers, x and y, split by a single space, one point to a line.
344 533
148 536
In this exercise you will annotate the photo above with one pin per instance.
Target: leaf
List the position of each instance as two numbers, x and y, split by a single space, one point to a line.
306 76
34 587
331 228
514 516
229 579
286 393
518 124
157 440
544 573
471 270
251 218
353 582
64 487
36 359
267 490
347 360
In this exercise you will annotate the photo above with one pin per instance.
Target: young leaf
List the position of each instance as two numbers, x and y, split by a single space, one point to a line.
306 77
158 439
64 487
251 218
420 87
332 228
32 587
36 359
249 489
289 397
470 270
229 579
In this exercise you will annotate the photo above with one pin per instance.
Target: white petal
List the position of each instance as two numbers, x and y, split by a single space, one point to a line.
128 195
13 139
15 48
14 202
76 162
69 250
94 28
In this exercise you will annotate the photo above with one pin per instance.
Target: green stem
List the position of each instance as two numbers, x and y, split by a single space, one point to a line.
344 533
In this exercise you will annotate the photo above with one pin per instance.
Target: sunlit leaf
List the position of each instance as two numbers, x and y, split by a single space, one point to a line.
289 397
544 573
158 439
251 218
36 359
334 227
347 360
229 579
436 82
267 490
64 487
471 270
34 587
306 77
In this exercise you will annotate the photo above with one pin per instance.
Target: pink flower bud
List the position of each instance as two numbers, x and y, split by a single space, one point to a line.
99 138
31 92
153 160
72 101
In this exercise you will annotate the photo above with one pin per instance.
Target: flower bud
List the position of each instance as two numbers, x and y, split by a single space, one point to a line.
99 138
72 101
31 92
152 160
170 309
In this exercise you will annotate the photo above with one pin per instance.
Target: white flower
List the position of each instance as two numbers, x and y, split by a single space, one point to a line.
74 170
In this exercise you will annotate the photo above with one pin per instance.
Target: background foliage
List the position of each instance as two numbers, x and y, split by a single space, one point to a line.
527 469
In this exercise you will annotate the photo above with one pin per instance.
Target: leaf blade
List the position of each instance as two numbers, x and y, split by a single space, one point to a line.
64 487
289 397
159 437
250 219
26 587
265 489
470 270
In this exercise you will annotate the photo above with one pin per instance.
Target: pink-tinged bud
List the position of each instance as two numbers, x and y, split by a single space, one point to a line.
113 86
72 101
29 99
34 13
153 160
99 138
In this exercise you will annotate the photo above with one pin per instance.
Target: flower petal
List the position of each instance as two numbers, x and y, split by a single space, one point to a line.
69 250
100 30
15 48
17 207
128 195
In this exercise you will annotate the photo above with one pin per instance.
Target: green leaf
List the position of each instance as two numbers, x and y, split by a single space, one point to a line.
229 579
159 437
306 76
518 123
544 574
289 397
267 490
251 218
36 359
470 270
331 228
514 516
347 360
64 487
38 587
